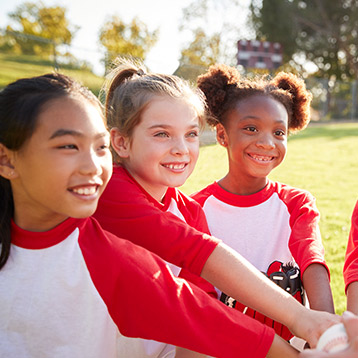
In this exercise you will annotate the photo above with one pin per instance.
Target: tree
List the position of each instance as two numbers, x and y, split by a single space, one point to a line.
38 30
203 51
322 32
213 29
133 39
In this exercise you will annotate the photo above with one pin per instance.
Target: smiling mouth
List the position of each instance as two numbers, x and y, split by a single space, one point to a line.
85 191
179 166
262 158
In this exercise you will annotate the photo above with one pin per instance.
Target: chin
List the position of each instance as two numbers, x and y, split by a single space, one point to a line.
84 213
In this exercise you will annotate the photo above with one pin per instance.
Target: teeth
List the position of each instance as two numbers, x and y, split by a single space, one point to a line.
175 166
86 191
262 158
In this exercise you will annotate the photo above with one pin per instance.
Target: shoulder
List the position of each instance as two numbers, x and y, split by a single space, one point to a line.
355 213
290 194
184 198
98 245
202 195
121 191
120 182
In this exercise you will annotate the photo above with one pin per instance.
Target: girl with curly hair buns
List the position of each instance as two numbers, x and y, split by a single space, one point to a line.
273 225
154 122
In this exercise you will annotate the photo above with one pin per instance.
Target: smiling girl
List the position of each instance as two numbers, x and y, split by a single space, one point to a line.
271 224
155 121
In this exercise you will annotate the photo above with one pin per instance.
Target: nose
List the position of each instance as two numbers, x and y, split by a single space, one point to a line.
266 141
180 147
91 164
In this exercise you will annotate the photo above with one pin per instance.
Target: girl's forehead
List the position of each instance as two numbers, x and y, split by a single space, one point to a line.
167 107
70 112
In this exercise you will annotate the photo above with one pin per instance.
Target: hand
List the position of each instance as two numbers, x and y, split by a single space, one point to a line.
350 322
311 324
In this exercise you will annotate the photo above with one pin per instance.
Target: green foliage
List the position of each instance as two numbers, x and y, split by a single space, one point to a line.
212 35
121 39
321 160
323 32
37 30
203 51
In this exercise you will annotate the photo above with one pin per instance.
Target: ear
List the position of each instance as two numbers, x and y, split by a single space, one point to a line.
120 143
7 169
221 135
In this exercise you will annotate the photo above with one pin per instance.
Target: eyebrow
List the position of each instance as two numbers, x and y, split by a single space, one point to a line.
65 132
170 126
258 119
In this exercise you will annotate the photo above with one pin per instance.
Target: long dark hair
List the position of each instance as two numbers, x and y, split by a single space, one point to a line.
20 104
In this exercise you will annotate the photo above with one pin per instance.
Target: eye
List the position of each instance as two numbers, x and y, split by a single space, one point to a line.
193 134
68 146
280 133
250 129
104 146
161 135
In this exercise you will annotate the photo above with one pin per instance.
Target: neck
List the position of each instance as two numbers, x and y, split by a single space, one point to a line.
242 187
156 192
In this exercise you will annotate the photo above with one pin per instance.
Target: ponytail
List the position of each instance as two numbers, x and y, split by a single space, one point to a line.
6 213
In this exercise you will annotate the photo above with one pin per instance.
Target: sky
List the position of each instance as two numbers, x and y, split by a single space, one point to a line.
90 15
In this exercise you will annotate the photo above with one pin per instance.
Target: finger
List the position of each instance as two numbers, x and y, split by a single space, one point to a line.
310 353
350 322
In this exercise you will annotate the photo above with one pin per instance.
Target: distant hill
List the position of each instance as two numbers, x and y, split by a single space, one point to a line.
13 67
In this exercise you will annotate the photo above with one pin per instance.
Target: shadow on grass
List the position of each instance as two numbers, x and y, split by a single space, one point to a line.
332 131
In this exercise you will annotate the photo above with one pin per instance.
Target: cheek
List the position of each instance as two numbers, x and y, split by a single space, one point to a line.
283 149
195 150
107 165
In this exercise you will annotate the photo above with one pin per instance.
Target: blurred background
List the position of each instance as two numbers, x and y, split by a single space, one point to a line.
316 39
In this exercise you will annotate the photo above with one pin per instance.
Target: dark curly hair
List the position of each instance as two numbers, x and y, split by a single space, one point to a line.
223 88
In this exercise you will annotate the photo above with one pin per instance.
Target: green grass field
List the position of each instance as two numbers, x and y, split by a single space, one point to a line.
322 160
13 67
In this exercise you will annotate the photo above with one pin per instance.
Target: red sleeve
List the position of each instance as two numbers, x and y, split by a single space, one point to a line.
305 242
202 195
199 281
350 269
192 211
145 300
195 217
127 211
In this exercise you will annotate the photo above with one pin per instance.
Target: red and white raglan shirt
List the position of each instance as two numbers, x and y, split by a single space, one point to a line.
75 290
279 223
175 229
350 269
127 210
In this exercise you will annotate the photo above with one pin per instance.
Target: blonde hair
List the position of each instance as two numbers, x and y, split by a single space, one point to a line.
129 88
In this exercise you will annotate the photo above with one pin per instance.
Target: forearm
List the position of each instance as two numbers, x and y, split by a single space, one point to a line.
280 348
232 274
316 283
352 297
185 353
